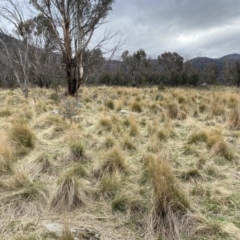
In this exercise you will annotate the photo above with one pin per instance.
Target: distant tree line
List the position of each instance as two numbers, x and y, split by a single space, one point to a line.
169 69
136 69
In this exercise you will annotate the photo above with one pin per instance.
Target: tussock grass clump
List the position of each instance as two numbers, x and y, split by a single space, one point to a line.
169 200
201 162
66 234
18 180
33 191
211 171
189 149
234 119
105 123
181 98
233 101
6 165
221 148
43 164
59 124
197 136
120 202
77 150
145 174
54 97
209 136
191 174
113 162
20 191
210 229
23 136
108 142
78 170
67 196
7 159
109 104
136 107
165 188
134 128
5 112
218 109
109 185
128 201
40 107
202 107
26 114
214 136
127 143
173 110
162 134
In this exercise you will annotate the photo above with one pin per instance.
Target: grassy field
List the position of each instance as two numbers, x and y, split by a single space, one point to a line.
120 163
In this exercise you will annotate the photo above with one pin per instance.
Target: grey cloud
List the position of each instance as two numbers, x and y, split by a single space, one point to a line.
162 25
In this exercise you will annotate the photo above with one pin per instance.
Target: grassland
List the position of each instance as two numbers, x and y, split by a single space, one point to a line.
167 167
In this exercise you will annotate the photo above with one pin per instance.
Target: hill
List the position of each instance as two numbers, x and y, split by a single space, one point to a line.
202 62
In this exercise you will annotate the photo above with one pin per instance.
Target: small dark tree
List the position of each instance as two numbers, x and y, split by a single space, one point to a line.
171 61
134 64
211 73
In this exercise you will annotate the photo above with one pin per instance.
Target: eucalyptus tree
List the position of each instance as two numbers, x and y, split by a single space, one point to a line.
232 72
134 64
28 51
172 67
73 23
171 61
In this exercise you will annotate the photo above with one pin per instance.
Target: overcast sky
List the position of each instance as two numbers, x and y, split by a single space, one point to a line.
191 28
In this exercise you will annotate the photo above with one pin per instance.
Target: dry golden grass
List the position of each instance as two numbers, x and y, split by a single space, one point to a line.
234 119
22 136
68 195
7 158
112 162
80 160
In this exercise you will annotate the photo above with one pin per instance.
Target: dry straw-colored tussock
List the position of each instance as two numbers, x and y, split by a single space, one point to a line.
165 168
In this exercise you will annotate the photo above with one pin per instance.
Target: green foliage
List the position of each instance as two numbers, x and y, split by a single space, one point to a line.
106 78
171 61
133 64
